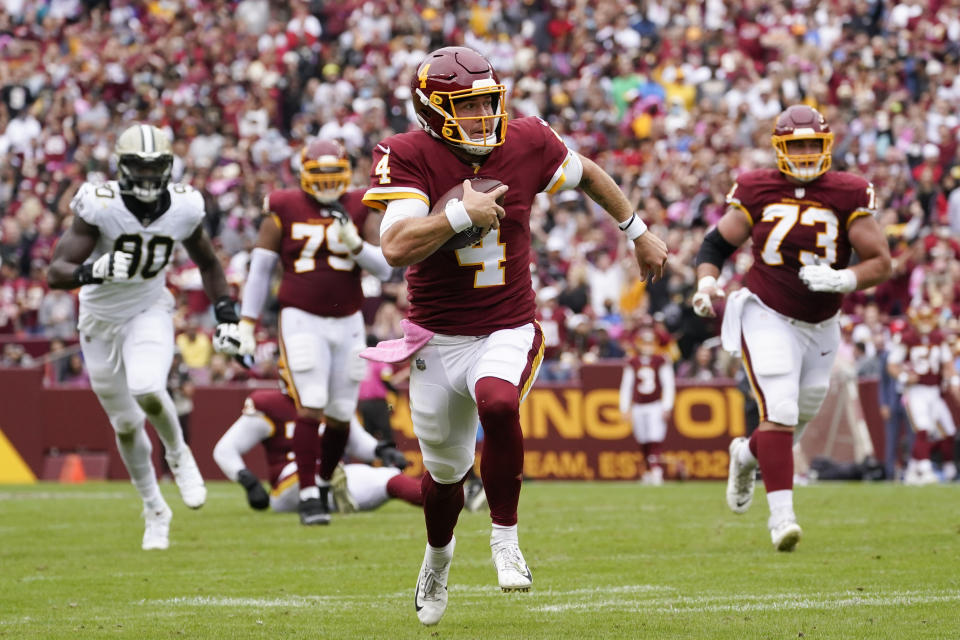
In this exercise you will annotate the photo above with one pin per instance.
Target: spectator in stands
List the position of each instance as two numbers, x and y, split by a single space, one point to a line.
14 355
194 346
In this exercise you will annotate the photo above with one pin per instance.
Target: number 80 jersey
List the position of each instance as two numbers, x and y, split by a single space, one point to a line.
796 225
151 246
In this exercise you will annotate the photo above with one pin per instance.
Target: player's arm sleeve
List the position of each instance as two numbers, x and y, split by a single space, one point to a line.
626 388
257 287
667 383
360 444
242 436
402 209
563 165
568 174
371 258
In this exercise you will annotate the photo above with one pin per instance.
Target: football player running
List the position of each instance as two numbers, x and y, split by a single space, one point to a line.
117 249
268 418
313 233
805 221
470 327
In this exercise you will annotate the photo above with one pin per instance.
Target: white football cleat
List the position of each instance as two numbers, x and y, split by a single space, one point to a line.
188 478
741 479
345 502
784 531
156 533
512 570
430 598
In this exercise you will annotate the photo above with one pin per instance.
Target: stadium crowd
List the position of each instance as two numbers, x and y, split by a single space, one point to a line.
672 98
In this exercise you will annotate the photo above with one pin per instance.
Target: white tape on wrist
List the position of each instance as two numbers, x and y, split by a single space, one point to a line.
633 226
705 282
848 281
457 216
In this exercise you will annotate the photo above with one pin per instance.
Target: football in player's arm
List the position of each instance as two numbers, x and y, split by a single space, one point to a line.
473 308
805 222
312 232
117 249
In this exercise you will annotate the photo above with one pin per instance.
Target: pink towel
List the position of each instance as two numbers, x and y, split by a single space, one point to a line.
399 350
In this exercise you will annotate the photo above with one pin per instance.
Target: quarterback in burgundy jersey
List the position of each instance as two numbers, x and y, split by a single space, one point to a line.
805 222
312 232
269 418
471 332
922 361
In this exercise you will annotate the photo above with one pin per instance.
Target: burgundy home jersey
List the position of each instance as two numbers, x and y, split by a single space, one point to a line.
646 385
319 276
280 411
925 355
480 289
796 225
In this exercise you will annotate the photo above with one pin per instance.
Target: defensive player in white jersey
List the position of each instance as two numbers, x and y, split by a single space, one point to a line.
117 249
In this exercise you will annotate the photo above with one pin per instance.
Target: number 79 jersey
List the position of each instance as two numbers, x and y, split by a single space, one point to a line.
796 225
151 246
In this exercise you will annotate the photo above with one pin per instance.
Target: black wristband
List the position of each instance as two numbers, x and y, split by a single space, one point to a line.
84 275
225 311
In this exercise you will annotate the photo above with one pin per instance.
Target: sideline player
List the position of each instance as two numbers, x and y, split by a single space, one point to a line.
805 222
268 418
471 325
117 249
312 232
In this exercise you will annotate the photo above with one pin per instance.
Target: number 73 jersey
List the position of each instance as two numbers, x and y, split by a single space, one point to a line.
796 225
151 246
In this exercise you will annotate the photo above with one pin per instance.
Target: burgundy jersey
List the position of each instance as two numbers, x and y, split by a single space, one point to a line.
796 225
280 411
646 382
480 289
926 353
319 275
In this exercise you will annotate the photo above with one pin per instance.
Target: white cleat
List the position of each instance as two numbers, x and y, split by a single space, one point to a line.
741 479
784 531
430 598
188 478
344 500
512 570
156 533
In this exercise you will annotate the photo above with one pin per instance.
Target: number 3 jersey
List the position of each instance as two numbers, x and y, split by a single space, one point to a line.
796 225
486 287
151 246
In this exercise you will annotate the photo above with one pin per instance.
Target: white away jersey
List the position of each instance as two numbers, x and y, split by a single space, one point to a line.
101 206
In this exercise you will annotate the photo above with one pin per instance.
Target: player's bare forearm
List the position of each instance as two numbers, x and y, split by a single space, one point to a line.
601 188
868 240
414 239
872 272
201 251
75 246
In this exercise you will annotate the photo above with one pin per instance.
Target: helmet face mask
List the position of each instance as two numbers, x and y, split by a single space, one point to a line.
924 318
443 83
144 162
796 157
324 170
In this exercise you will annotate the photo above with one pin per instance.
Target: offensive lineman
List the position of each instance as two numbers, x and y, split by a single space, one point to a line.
116 250
312 232
805 223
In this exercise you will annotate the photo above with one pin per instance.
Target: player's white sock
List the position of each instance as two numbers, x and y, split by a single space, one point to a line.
782 499
167 424
135 450
309 492
439 556
501 534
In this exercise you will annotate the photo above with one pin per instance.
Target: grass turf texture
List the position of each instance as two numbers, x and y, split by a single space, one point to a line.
608 560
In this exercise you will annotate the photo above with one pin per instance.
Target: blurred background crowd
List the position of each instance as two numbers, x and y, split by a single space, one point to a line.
673 98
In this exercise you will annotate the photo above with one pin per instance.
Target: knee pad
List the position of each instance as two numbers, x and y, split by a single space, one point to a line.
149 402
301 351
126 423
811 399
314 396
785 412
448 465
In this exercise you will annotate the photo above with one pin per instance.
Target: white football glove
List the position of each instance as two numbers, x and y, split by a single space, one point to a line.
349 235
226 338
702 300
248 342
112 266
821 277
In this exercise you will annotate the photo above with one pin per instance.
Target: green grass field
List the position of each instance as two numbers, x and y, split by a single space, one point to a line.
609 561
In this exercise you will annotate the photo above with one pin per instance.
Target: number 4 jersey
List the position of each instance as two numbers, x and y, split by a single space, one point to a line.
796 225
151 246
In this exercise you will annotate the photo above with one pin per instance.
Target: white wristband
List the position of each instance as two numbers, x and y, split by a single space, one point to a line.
457 216
633 226
705 282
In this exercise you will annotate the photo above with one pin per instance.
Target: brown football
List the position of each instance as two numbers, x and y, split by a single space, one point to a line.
471 235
